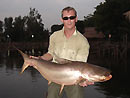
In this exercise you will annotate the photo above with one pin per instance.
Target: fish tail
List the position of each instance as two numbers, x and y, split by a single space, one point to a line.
25 57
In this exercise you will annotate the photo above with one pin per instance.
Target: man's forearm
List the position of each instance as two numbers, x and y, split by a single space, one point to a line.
47 57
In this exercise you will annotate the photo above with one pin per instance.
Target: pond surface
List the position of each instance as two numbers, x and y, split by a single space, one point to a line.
31 84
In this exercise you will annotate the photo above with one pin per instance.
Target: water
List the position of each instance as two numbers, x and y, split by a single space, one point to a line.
32 85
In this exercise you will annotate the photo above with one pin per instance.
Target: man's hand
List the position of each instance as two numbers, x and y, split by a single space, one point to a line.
34 57
86 83
46 57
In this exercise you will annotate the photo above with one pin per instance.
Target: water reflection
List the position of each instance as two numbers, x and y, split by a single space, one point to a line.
32 85
117 87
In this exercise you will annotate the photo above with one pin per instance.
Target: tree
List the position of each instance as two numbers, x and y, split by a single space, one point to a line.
27 28
8 27
89 21
80 26
18 34
34 26
109 17
56 28
1 26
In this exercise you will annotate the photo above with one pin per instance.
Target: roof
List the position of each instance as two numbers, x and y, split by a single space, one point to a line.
90 32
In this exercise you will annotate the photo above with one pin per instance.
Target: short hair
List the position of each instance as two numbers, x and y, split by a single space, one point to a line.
68 9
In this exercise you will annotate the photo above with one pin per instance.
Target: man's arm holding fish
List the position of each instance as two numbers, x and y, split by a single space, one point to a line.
46 56
82 55
86 83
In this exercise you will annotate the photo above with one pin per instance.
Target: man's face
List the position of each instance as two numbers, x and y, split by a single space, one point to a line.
69 23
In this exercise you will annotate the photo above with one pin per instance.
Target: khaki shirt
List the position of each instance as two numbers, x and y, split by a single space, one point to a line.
76 48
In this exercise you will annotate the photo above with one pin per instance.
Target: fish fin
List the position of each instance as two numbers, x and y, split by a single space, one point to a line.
62 86
49 82
25 57
24 67
81 79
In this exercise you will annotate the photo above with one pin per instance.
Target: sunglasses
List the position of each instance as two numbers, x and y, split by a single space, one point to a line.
71 18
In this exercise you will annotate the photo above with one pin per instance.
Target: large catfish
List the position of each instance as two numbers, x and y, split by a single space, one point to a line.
70 73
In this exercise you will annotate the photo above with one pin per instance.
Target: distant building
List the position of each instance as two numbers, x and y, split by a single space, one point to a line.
90 32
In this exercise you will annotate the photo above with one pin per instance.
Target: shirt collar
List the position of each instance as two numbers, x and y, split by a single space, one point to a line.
75 32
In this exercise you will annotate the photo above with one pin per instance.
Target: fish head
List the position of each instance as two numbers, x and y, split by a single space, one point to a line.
97 77
103 78
104 75
96 74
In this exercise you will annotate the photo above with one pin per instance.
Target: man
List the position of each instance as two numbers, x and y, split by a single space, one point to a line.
70 44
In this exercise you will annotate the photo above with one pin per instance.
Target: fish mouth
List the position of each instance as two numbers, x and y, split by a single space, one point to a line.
108 77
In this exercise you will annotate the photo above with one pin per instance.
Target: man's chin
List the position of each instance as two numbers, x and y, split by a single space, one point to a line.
69 28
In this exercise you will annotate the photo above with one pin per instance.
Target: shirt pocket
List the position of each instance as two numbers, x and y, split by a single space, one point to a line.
71 54
58 47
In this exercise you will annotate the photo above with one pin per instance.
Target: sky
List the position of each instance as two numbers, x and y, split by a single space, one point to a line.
49 9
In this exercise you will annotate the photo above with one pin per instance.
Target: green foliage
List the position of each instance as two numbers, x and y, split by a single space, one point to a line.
18 34
89 21
1 26
80 26
108 18
27 28
8 25
56 28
